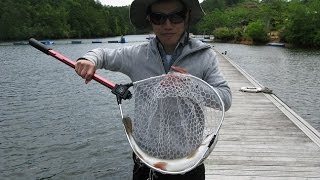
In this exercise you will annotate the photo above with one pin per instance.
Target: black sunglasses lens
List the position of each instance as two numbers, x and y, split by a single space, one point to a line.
157 18
177 18
160 18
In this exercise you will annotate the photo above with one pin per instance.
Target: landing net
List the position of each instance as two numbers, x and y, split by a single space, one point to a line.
173 115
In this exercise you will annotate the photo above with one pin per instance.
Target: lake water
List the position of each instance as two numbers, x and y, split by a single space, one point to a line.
53 126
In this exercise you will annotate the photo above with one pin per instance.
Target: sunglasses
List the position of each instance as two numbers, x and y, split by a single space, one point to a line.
161 18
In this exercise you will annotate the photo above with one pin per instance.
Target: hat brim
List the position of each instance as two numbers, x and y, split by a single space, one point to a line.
138 12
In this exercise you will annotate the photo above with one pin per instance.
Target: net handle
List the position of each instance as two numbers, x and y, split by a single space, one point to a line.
121 91
43 48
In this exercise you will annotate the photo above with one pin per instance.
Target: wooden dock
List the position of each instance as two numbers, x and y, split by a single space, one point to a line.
261 137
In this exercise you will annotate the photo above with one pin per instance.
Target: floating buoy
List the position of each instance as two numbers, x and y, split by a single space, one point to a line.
256 90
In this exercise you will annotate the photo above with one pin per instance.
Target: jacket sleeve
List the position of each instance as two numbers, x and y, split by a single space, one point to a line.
105 58
125 59
215 78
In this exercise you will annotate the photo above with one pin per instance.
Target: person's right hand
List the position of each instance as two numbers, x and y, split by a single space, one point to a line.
85 69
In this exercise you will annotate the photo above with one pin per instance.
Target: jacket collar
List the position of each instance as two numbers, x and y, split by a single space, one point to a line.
192 46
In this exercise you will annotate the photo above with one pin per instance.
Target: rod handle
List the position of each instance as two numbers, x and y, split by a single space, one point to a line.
39 45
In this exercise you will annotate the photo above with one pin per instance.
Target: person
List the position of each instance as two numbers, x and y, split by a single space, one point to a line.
171 50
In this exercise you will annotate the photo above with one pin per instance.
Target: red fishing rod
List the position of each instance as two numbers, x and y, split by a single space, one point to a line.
120 90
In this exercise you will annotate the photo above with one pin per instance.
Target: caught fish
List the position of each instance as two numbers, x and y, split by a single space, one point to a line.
171 166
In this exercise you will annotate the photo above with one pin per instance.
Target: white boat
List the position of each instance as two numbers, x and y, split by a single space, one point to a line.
276 44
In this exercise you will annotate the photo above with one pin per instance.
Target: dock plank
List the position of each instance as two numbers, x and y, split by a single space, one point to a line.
259 138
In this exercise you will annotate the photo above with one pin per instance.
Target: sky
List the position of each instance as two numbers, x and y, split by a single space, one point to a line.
119 2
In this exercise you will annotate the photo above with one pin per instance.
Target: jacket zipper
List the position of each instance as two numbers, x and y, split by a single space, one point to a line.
161 62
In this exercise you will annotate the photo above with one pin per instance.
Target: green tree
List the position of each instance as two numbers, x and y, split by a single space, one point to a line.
22 19
303 23
212 20
272 13
316 40
14 20
257 31
210 5
224 34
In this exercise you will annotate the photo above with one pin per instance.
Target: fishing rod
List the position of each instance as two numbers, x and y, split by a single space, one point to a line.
120 90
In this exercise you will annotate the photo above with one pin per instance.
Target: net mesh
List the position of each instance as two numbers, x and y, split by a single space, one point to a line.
173 114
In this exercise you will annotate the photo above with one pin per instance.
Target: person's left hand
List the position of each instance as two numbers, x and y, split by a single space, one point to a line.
174 80
179 69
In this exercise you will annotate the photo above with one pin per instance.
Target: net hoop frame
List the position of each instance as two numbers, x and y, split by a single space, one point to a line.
181 165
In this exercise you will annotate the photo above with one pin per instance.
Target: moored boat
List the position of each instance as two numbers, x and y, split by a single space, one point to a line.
76 42
276 44
97 41
122 40
47 42
20 43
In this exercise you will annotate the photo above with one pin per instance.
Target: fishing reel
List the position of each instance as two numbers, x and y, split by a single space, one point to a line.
122 91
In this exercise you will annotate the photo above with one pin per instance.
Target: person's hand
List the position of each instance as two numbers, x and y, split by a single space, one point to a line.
174 79
85 69
179 69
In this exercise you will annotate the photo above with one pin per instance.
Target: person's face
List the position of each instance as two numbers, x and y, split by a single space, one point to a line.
171 26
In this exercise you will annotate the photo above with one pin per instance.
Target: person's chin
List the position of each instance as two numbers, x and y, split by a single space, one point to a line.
169 39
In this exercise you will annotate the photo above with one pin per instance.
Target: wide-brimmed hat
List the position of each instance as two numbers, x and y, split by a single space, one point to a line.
138 12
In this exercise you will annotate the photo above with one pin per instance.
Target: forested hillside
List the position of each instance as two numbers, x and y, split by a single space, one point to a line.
21 19
293 21
257 21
